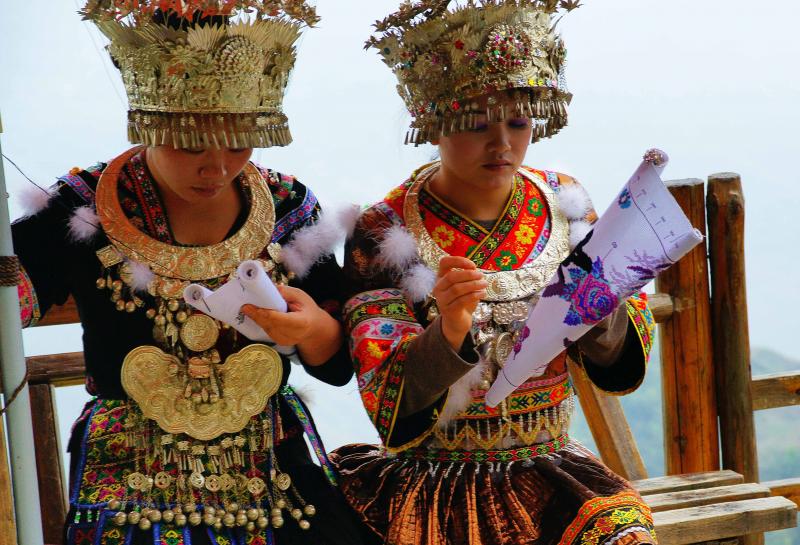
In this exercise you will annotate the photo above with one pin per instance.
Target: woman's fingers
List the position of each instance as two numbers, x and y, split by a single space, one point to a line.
456 276
468 301
450 262
447 296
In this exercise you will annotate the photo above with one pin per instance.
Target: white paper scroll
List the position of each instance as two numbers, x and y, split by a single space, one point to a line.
252 286
642 233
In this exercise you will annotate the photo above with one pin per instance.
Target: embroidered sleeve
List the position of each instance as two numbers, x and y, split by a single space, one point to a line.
43 244
627 373
297 207
29 311
390 349
380 327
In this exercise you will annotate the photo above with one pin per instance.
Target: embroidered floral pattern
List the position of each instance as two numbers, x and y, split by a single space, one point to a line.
29 311
443 236
589 294
535 207
529 398
506 261
473 241
605 519
380 326
525 235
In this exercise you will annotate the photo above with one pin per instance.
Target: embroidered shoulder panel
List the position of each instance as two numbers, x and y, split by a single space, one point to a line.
517 239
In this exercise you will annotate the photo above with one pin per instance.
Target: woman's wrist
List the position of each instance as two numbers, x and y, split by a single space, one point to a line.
323 341
454 336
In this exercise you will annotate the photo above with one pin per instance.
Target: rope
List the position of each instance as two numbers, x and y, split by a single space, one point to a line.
9 271
14 395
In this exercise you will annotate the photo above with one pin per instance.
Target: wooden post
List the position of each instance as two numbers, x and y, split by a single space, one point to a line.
48 462
25 489
8 526
729 325
609 427
725 203
689 390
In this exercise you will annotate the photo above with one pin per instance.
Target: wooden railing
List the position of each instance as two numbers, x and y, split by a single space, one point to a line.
707 388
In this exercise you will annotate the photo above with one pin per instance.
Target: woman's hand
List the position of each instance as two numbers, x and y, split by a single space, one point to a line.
315 333
458 290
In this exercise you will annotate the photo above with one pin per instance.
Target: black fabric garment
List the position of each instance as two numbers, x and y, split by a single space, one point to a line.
60 266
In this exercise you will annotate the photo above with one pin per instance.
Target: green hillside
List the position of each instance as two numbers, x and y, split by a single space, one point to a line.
778 430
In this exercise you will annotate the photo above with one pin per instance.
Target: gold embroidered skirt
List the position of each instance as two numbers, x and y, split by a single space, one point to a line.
549 493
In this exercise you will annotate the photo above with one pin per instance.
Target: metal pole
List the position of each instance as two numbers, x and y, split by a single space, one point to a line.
12 366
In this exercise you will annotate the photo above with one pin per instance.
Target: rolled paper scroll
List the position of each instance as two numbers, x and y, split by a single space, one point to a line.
642 233
251 286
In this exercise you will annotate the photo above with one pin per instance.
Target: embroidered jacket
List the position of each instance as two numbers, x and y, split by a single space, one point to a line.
119 457
386 328
56 264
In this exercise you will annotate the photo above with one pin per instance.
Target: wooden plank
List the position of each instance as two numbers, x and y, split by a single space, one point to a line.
689 396
788 488
676 483
662 306
705 496
776 390
53 494
609 427
729 325
8 525
57 369
724 520
59 315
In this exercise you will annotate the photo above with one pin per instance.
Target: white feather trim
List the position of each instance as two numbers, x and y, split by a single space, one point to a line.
348 218
397 249
418 282
310 244
577 232
460 394
84 224
141 275
574 201
33 200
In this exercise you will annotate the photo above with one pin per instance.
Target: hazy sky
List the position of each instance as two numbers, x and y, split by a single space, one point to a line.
709 82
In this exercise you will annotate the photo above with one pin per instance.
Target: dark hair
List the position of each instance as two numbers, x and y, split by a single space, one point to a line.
172 20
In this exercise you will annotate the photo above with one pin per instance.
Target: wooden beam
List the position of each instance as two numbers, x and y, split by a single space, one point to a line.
57 369
8 525
59 315
725 204
676 483
788 488
689 396
776 390
724 520
609 427
53 495
705 496
662 306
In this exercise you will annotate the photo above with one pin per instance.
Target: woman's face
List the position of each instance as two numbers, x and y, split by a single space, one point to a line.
487 156
196 175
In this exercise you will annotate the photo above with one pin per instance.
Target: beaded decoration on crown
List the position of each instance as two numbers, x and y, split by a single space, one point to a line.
203 73
446 57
